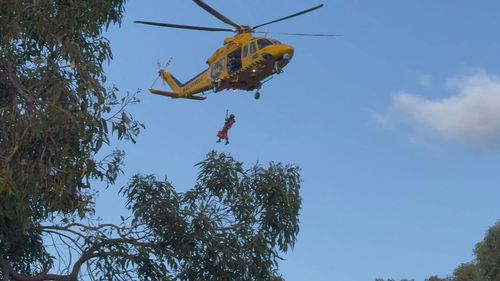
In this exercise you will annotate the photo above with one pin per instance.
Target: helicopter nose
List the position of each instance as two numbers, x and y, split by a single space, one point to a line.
281 51
288 52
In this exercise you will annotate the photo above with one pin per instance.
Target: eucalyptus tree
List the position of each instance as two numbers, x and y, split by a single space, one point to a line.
488 254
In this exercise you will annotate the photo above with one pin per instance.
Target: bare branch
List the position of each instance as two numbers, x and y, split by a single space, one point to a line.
8 271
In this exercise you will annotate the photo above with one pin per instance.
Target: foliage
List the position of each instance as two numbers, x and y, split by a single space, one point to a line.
486 267
436 278
390 279
55 113
488 254
464 272
467 272
232 225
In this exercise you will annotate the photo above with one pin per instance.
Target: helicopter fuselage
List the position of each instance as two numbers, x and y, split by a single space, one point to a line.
243 63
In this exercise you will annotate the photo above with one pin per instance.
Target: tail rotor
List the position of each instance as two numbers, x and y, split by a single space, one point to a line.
161 70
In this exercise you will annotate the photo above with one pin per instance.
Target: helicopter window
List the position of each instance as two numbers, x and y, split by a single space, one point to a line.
253 48
275 41
264 43
245 51
234 61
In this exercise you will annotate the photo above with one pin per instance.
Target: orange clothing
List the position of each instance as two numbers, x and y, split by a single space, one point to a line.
222 134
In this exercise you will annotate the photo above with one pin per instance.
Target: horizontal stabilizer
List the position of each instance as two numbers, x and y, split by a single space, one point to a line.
175 95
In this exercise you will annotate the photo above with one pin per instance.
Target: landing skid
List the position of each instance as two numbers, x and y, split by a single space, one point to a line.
257 92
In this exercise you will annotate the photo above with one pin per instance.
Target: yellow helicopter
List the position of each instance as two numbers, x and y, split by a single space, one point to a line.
244 62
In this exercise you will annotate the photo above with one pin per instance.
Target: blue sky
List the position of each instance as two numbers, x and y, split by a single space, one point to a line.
394 124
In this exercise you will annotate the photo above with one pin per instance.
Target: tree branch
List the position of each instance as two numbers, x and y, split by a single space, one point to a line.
93 251
8 271
14 81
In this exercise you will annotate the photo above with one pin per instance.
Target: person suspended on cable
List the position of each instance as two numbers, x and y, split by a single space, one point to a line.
222 134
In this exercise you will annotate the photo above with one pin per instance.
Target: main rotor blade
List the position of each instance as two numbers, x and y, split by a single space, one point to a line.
183 26
290 16
300 34
215 13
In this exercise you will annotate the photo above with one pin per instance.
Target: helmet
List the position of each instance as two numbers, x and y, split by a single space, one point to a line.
231 116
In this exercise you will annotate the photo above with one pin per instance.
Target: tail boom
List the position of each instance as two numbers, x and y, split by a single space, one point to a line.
200 83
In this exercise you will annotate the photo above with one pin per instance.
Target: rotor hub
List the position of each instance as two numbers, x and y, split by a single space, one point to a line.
244 29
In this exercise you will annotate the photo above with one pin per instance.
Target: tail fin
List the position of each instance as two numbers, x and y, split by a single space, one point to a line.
171 81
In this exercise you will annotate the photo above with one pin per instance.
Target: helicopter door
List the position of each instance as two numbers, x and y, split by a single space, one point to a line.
234 61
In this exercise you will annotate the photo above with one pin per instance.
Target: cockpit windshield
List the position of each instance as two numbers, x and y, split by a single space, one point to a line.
264 43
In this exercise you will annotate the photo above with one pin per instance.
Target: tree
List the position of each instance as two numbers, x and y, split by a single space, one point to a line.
486 267
436 278
390 279
56 115
467 272
231 225
488 254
